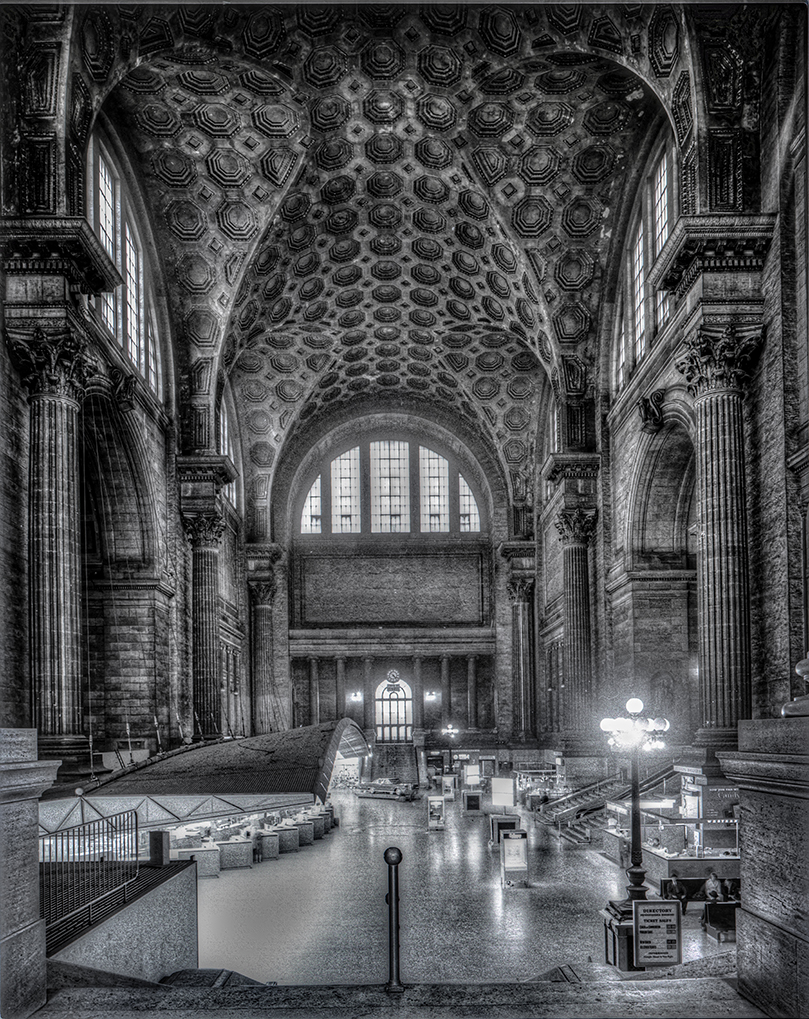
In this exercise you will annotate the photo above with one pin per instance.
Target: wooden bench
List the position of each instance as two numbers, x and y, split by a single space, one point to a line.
720 920
692 886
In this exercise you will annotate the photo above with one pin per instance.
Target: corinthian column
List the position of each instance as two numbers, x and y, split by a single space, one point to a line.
261 595
576 528
205 533
715 365
55 369
520 590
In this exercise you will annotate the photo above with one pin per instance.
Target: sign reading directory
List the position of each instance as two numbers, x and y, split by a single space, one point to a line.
658 934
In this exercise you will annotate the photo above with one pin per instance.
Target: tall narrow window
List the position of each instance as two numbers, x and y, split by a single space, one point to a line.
226 449
345 493
434 485
132 288
128 313
637 293
469 515
660 198
310 517
620 372
390 486
106 233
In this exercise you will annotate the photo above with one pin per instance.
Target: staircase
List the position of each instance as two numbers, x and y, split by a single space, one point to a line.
395 760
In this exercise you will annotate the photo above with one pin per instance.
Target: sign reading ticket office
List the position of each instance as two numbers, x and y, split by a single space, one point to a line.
658 934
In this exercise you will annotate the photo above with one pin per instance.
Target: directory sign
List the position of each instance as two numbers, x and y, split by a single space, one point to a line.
658 934
502 792
435 812
513 858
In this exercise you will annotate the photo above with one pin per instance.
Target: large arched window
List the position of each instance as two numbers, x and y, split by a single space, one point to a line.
226 448
390 486
128 313
643 312
394 710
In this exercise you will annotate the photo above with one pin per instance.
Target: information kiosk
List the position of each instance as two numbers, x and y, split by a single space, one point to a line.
500 823
435 812
514 858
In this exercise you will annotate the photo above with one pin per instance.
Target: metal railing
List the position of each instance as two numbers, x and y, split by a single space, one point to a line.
80 866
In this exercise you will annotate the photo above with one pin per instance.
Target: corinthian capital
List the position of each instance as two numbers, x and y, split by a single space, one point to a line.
57 363
205 531
576 527
519 589
718 357
262 592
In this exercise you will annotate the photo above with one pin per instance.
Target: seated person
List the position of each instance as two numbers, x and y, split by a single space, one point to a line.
677 890
712 891
731 890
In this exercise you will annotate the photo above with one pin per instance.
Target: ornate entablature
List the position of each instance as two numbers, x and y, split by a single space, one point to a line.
201 478
58 246
711 244
574 466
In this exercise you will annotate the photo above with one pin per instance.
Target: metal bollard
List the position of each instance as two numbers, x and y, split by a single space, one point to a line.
393 857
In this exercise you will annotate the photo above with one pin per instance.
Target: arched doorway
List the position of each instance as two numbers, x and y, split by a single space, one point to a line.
394 710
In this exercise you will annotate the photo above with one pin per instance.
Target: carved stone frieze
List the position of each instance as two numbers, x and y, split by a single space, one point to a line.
57 363
576 527
718 357
57 246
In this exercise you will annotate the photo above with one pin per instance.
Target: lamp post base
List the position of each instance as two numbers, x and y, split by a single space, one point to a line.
635 890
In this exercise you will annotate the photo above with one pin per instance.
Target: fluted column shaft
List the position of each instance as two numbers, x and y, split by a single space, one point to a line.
576 527
472 692
262 595
446 692
520 590
55 369
205 532
715 364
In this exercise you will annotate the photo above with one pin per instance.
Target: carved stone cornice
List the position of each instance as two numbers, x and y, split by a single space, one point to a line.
718 243
262 557
205 531
718 357
57 246
576 527
201 477
58 363
575 466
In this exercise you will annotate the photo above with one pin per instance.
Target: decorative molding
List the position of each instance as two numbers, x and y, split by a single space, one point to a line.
56 364
57 246
125 386
718 357
576 527
651 411
699 244
575 466
204 532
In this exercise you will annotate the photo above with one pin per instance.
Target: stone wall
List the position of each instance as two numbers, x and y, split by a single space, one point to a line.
151 938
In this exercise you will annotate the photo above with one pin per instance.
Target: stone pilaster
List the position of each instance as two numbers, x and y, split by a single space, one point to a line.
576 529
418 695
205 533
521 590
715 364
446 693
23 779
339 687
367 695
314 692
55 367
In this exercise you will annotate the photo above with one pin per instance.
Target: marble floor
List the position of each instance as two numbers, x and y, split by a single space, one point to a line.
319 916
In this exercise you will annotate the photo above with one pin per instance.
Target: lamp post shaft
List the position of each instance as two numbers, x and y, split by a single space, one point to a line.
636 853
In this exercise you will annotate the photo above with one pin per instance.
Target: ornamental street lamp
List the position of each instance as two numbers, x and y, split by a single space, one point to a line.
630 735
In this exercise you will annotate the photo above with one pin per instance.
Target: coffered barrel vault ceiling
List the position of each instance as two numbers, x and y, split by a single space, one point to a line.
405 203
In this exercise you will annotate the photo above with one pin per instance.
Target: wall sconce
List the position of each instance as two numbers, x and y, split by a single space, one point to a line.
450 731
430 695
356 696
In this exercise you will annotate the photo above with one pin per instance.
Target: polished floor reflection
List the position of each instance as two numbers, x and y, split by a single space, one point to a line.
319 916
